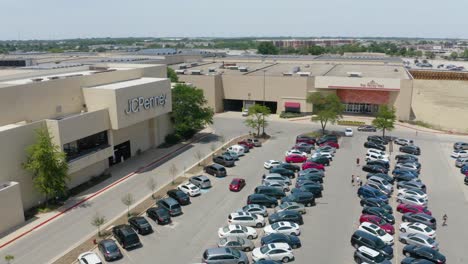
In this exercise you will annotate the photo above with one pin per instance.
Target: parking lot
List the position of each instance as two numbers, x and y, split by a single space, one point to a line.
329 225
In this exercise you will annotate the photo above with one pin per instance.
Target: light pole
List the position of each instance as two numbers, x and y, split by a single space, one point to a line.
264 71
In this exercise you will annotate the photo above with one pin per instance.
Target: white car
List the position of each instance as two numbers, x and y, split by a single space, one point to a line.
377 231
403 141
459 153
89 258
283 227
237 231
245 112
246 219
372 157
326 154
417 228
348 132
378 152
274 251
412 192
411 200
295 151
271 163
190 189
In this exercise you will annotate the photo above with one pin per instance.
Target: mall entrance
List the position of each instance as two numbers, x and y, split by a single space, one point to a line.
121 152
361 108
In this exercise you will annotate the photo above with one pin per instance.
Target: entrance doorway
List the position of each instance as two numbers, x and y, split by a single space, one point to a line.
361 108
122 152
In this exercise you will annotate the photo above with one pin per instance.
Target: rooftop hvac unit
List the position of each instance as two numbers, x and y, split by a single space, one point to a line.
287 74
305 74
354 74
183 66
180 71
196 72
211 69
296 69
243 69
37 80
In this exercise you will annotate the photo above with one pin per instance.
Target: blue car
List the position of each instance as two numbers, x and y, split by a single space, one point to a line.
464 169
396 172
365 192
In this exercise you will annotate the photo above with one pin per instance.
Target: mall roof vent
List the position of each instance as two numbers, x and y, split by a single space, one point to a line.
37 80
287 74
243 69
180 71
354 74
196 72
296 69
305 74
212 69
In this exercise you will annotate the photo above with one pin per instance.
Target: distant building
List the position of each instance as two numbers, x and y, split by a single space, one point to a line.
305 43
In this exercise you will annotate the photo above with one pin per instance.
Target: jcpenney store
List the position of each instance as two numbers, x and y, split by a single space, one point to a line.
99 116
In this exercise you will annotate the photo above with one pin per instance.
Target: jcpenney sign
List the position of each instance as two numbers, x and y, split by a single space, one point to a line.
138 104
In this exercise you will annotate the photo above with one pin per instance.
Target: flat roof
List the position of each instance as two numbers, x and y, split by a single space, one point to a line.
125 84
367 70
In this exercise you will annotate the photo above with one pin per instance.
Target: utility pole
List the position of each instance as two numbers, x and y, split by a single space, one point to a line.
264 71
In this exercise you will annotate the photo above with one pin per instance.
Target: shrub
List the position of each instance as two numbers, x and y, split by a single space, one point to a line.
351 123
290 115
171 139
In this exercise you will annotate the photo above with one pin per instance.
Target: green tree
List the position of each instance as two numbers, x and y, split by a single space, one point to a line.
267 48
453 55
172 75
189 110
48 164
430 55
128 200
327 108
9 258
385 118
97 221
465 54
316 50
418 53
256 118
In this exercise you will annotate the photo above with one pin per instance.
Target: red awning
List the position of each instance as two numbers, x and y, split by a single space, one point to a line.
292 105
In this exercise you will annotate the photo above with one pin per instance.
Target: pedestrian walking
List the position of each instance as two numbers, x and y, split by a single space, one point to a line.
444 218
357 162
352 179
358 181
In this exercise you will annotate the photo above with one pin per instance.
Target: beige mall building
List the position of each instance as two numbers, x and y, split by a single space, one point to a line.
99 115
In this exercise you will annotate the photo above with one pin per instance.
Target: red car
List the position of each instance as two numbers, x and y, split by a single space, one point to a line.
305 139
236 185
295 158
377 221
245 143
331 144
309 164
409 208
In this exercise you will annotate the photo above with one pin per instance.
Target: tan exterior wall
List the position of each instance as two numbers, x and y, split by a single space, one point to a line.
138 134
11 206
164 127
211 86
326 81
402 100
441 103
85 174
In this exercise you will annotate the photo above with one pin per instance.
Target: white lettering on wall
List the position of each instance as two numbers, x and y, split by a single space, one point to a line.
137 104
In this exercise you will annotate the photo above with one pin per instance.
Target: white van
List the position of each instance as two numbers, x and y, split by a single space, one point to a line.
238 149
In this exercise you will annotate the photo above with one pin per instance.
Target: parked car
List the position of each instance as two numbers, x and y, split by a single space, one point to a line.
377 221
410 260
417 228
246 144
296 152
420 218
254 209
262 199
288 166
295 158
313 165
256 142
109 250
411 200
403 158
171 205
418 240
278 185
348 132
412 192
237 243
361 238
140 225
237 231
305 139
328 149
411 149
270 191
374 169
275 177
305 198
367 255
459 153
286 228
190 189
460 145
231 154
375 230
365 192
126 237
291 206
373 156
412 184
411 208
293 241
367 128
276 251
283 172
304 147
373 145
378 162
286 215
216 170
201 181
403 141
238 149
224 255
380 213
89 258
321 159
384 176
422 252
374 202
311 170
377 140
330 144
159 215
226 161
378 152
246 219
315 189
379 187
270 164
325 156
375 179
237 184
181 197
460 162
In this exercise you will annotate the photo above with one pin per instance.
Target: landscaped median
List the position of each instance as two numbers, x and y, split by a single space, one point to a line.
350 123
149 201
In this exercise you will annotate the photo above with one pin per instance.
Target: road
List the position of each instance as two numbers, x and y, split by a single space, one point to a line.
328 226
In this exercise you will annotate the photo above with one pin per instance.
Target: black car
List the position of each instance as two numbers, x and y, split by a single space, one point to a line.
404 177
374 202
374 169
109 250
224 160
423 252
227 153
270 191
380 212
283 172
411 149
361 238
262 199
406 157
377 141
410 260
292 241
320 160
316 190
140 225
159 215
216 170
179 196
305 198
126 236
370 144
289 166
287 215
466 180
385 139
367 128
384 176
310 177
381 163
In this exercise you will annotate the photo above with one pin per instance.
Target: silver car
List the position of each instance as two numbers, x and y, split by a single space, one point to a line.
275 177
201 181
292 206
224 256
379 187
418 240
311 171
411 200
254 209
236 243
379 180
460 162
278 185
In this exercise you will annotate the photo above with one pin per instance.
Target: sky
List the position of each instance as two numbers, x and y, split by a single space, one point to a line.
61 19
